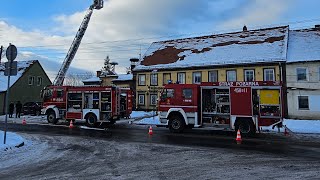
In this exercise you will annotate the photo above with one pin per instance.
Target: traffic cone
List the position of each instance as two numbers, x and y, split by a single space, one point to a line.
238 138
24 122
150 130
71 124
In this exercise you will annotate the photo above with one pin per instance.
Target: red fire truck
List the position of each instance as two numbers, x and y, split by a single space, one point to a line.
95 104
229 105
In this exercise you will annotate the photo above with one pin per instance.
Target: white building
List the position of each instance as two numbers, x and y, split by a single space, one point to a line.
303 74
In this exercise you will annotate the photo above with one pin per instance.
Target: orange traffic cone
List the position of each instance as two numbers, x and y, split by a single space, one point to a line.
24 122
238 138
71 124
150 130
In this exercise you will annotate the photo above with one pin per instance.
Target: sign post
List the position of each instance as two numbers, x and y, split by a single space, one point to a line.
11 70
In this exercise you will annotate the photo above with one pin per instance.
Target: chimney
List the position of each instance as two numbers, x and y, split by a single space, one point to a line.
244 28
133 63
98 73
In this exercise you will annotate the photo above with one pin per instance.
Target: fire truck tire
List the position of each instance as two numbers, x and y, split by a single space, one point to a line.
51 117
176 123
91 120
245 126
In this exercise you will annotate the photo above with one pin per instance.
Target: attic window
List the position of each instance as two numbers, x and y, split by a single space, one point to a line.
31 80
39 81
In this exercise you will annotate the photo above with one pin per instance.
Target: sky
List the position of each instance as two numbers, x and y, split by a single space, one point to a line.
123 29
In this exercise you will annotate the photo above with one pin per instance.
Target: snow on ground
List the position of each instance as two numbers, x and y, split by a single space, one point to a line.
142 117
138 114
28 118
296 126
12 140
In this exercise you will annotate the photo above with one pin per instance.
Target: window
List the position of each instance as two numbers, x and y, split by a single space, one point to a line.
196 77
141 99
182 78
31 80
153 99
232 75
303 102
187 93
59 93
166 78
249 75
39 81
302 74
213 76
142 79
167 93
154 79
268 75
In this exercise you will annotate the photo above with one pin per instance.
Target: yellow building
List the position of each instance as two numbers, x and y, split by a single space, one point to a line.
254 55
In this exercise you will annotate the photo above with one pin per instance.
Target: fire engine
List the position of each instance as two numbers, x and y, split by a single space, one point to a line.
95 104
228 105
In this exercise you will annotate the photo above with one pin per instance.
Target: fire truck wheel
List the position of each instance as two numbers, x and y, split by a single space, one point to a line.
245 126
91 120
176 124
51 117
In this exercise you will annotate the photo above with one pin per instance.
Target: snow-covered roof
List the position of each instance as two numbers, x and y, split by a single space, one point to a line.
304 45
93 79
22 67
124 77
262 45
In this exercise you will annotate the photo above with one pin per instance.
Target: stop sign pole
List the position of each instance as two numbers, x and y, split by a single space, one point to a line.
11 54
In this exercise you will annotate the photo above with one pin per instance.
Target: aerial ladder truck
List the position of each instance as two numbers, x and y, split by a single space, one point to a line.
58 81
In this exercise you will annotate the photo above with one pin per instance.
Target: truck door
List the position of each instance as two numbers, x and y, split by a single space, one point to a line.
241 103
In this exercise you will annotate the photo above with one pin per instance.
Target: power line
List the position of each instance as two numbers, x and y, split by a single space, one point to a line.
186 34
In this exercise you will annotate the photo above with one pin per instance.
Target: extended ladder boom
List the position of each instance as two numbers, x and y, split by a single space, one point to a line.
58 81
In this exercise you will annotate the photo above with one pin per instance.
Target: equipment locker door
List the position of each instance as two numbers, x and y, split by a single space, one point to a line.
241 103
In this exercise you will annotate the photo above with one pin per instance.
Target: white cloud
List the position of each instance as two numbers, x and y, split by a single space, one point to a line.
260 12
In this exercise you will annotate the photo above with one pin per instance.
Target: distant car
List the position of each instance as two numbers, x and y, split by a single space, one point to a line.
31 108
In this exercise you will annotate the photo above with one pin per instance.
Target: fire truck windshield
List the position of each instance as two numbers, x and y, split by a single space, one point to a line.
46 93
167 93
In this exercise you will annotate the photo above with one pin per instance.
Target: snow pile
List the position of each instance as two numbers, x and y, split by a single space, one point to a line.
140 114
303 126
12 140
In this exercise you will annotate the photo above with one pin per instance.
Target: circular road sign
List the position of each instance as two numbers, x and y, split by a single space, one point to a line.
11 52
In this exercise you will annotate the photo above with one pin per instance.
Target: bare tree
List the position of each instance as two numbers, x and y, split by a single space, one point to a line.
73 79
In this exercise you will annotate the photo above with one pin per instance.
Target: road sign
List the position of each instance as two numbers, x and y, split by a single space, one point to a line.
11 52
10 68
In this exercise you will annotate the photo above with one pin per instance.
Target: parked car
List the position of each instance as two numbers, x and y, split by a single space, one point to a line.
31 108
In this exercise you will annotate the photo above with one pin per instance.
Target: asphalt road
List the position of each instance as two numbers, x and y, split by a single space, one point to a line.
127 151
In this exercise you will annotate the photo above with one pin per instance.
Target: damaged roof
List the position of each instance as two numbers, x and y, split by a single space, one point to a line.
261 45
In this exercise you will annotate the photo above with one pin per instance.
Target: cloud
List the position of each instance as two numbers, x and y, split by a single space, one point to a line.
258 13
124 29
51 67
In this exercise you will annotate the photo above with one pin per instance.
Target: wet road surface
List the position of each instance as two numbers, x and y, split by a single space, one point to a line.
126 151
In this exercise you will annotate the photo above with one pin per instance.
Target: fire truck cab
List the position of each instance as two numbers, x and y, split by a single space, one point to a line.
93 104
227 105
